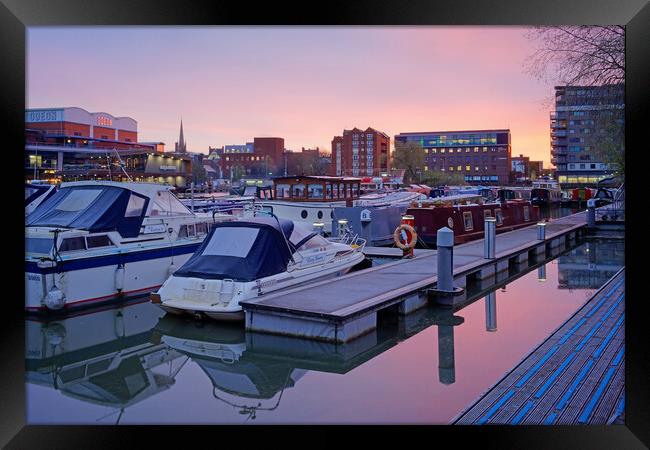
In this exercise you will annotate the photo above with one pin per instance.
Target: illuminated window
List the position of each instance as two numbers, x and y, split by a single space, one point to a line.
475 149
475 168
485 149
433 150
451 168
468 168
442 150
459 168
426 168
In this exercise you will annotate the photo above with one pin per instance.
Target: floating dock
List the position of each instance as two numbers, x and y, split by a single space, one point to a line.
574 377
341 309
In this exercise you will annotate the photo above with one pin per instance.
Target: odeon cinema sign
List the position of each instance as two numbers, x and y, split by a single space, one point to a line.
44 115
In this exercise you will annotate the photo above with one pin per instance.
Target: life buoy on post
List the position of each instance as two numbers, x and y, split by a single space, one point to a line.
409 236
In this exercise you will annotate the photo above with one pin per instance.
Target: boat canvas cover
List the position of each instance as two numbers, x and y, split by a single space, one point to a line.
32 192
92 208
241 251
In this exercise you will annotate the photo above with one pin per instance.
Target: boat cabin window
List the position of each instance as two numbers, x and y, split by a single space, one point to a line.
283 190
135 206
78 200
499 216
73 244
526 214
166 204
187 231
201 228
101 240
231 241
298 190
38 245
250 191
315 191
468 221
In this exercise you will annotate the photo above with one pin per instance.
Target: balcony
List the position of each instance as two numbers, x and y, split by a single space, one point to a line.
558 143
558 133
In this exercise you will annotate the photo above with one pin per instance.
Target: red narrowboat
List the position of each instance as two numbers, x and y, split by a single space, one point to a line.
466 217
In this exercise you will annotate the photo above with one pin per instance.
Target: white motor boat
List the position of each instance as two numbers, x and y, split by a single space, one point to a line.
95 242
35 194
244 259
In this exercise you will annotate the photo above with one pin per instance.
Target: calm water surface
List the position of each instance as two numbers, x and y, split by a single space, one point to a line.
135 365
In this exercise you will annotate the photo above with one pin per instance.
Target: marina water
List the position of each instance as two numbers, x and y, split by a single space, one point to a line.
134 365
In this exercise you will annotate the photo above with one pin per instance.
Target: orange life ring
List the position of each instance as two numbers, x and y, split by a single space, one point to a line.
398 242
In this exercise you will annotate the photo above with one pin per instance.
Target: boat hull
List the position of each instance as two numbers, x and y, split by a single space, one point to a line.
91 282
428 221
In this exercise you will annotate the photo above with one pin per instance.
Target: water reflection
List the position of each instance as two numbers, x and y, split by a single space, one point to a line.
590 265
106 358
124 359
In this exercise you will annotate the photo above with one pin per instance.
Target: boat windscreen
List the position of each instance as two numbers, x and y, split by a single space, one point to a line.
39 245
231 242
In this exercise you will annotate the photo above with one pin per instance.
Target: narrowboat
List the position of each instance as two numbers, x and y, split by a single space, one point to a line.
545 193
97 242
466 217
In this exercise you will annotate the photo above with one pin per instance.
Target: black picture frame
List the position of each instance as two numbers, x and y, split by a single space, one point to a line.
16 15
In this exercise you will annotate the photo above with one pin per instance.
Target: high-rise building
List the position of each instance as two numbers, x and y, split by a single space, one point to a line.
360 153
481 156
582 118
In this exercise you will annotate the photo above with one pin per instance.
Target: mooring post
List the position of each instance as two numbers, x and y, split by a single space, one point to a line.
591 213
490 237
541 231
445 245
491 311
192 195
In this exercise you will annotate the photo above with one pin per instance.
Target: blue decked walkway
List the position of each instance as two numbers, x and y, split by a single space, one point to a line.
574 377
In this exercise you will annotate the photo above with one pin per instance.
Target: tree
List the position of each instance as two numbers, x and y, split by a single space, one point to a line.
588 56
199 174
440 178
409 156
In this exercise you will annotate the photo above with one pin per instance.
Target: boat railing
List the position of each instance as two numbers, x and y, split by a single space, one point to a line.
615 211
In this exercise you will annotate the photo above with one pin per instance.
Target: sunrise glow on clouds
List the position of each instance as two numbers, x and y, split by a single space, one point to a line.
305 84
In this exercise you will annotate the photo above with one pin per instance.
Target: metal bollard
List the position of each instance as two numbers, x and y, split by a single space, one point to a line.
318 227
490 237
491 311
445 245
541 231
591 213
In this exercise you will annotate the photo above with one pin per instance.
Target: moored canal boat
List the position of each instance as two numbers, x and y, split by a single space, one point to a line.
466 218
97 242
545 193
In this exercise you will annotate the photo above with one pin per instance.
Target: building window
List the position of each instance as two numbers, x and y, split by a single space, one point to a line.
485 149
459 168
475 168
475 149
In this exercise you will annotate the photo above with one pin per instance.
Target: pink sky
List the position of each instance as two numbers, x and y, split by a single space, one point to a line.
305 84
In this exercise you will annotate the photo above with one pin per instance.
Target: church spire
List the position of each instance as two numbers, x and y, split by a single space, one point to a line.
181 145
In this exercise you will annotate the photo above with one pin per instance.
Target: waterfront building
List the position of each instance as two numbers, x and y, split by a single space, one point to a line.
72 144
264 157
577 124
360 153
308 161
481 156
525 170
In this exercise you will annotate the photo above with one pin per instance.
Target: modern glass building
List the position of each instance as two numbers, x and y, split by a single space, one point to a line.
582 119
481 156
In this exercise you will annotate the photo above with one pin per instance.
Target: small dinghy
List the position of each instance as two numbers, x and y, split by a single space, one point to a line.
244 259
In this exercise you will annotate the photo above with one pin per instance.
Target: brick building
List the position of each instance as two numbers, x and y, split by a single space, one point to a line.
360 153
264 158
482 156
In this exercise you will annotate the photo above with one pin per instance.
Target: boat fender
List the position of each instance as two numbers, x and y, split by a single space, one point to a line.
54 299
119 278
401 232
54 333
